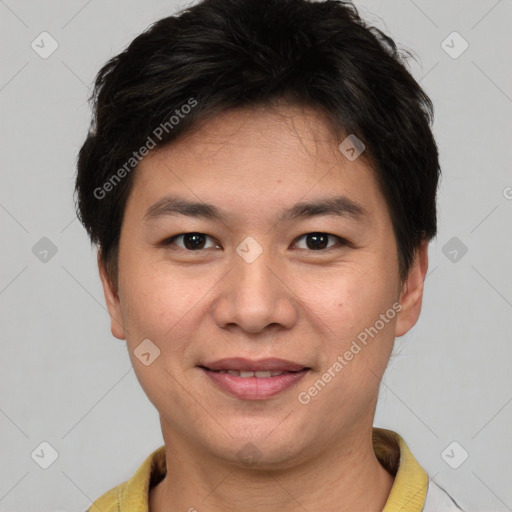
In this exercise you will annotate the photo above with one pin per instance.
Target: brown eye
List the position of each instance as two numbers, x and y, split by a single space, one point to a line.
191 241
317 241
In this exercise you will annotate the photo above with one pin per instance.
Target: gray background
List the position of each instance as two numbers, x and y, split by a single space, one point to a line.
65 379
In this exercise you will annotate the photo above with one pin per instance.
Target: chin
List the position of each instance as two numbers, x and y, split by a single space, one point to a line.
260 448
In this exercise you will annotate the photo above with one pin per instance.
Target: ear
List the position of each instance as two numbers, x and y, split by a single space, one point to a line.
411 295
113 303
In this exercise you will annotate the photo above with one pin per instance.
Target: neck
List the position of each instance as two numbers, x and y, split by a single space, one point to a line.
346 478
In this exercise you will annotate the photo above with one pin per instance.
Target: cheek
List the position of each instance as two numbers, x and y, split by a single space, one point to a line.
159 305
352 298
163 308
351 307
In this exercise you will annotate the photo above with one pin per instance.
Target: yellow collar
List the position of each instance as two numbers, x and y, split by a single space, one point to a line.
411 481
408 491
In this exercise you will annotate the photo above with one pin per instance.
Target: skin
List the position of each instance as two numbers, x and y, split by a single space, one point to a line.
292 302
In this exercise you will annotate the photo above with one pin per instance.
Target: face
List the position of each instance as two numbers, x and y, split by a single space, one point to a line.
293 258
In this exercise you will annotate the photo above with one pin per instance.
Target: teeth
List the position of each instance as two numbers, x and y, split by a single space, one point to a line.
259 374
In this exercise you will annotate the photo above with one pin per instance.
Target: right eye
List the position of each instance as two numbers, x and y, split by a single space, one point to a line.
191 241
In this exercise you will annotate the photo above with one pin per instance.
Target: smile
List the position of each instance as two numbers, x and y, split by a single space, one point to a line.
253 385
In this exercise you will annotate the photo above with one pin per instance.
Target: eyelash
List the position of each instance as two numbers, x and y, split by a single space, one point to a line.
341 241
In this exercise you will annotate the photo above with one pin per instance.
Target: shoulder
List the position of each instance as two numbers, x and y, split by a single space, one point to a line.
438 500
108 502
134 493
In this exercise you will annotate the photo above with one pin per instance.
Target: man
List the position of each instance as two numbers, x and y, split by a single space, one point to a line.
261 178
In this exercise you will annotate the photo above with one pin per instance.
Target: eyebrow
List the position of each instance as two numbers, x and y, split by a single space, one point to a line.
340 206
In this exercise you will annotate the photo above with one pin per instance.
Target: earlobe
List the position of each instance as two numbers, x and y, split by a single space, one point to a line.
411 295
112 302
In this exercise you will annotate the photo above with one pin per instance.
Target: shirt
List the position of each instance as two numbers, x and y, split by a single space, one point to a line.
411 491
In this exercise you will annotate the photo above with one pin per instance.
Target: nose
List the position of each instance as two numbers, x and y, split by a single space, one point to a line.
256 296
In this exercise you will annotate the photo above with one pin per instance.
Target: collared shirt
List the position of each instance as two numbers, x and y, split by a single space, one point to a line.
411 490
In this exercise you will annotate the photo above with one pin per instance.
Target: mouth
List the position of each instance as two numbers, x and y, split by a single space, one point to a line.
262 374
254 380
240 364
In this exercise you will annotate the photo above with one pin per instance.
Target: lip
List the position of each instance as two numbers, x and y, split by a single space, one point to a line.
242 364
254 388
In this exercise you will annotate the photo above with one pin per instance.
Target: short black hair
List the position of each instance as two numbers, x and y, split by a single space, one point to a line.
222 54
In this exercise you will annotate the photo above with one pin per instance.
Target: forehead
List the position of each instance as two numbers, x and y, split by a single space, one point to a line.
255 159
283 123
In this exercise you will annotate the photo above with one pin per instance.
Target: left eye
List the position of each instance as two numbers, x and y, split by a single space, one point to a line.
318 240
